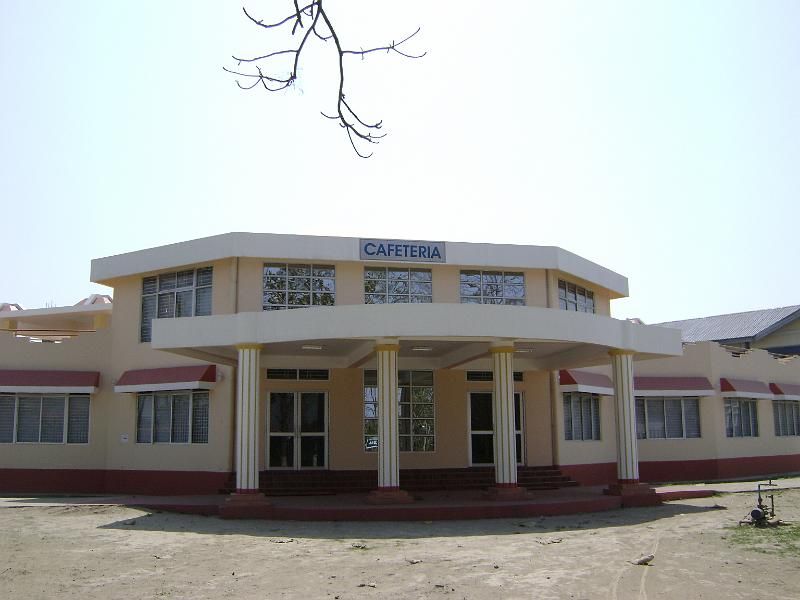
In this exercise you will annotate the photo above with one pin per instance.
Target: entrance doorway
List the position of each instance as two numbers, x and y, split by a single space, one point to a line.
297 430
481 428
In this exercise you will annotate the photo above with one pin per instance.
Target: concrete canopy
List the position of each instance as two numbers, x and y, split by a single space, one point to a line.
438 335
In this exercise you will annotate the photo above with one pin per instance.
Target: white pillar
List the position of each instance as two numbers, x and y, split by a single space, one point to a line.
247 387
505 468
625 409
388 409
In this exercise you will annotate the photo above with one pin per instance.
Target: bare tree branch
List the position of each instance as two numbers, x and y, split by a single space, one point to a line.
357 129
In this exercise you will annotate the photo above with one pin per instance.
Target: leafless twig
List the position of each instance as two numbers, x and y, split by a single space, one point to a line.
305 21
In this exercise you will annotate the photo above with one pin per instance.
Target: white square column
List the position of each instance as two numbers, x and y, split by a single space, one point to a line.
247 388
247 500
505 455
388 491
633 493
625 413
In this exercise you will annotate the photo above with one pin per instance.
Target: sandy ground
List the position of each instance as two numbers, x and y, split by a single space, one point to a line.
86 552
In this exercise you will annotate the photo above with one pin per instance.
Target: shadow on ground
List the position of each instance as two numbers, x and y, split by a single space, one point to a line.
153 520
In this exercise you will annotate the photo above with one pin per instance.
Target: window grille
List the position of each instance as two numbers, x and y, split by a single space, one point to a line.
36 418
181 294
667 417
395 285
489 376
297 286
786 414
741 418
581 416
179 417
299 374
417 431
575 297
492 287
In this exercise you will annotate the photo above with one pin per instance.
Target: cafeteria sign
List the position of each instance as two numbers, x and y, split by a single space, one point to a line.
407 250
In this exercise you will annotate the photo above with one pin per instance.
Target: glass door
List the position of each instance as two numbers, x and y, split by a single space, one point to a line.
297 433
481 428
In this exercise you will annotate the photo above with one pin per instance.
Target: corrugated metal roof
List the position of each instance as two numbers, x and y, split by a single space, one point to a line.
748 325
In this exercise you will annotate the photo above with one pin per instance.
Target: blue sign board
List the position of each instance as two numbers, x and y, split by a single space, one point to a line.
402 250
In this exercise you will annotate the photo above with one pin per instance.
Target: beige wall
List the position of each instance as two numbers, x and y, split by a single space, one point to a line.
87 352
345 413
122 352
710 360
582 452
350 284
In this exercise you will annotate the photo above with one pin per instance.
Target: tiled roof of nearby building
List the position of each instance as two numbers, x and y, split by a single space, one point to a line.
747 326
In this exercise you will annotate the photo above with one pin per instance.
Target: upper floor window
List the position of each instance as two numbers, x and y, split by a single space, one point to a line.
667 418
181 294
296 286
787 417
393 285
741 418
493 287
574 297
45 419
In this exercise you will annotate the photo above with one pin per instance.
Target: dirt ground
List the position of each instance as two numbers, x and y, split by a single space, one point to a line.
72 551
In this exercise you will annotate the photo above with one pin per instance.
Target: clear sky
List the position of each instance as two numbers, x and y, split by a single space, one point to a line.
659 139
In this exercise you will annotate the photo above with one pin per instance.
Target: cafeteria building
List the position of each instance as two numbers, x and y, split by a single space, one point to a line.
265 364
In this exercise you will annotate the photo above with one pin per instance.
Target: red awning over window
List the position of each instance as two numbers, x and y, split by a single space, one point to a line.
200 377
672 386
573 380
744 388
785 391
44 382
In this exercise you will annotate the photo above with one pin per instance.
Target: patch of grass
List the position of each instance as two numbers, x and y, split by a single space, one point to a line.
782 540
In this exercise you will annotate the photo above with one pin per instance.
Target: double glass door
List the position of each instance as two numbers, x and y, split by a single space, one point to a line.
481 426
297 430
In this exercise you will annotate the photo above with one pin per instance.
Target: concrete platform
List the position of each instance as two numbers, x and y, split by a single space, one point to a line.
427 506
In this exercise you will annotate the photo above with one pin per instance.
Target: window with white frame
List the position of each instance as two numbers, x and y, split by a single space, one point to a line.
492 287
44 418
787 417
741 417
180 294
581 416
394 285
667 417
298 286
416 411
179 417
575 297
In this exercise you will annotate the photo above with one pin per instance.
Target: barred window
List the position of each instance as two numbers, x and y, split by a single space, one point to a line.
493 287
416 411
299 374
667 417
180 294
741 418
787 417
298 286
395 285
179 417
44 418
489 376
575 297
581 416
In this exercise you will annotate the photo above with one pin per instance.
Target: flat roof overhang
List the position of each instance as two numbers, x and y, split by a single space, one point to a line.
436 335
307 248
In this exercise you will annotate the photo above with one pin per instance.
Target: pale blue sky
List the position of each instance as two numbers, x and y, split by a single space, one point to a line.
659 139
